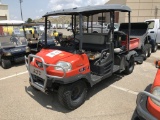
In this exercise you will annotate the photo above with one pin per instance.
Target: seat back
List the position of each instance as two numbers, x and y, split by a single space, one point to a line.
93 42
36 36
29 36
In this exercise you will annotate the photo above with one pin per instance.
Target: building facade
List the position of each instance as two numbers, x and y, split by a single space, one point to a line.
141 11
144 9
4 14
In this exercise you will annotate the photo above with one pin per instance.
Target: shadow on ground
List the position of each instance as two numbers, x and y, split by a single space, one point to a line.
50 100
135 115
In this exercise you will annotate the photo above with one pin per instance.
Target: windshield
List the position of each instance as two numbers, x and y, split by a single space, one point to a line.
150 24
12 36
49 37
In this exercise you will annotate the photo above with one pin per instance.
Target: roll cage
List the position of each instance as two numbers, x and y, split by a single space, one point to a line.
90 11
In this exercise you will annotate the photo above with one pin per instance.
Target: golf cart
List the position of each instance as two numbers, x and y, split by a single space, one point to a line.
13 44
32 33
81 60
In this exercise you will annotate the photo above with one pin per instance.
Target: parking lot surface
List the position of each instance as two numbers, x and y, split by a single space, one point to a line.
111 99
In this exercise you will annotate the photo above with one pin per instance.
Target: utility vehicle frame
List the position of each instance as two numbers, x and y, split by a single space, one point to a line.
87 60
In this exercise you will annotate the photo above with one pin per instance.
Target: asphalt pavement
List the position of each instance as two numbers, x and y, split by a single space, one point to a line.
112 99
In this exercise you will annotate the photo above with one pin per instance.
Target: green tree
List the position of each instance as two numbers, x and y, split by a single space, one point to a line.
29 20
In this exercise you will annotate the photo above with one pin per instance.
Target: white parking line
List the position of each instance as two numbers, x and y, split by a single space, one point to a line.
114 86
124 89
21 73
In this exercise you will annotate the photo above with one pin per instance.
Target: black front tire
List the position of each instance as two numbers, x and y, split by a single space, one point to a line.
71 96
6 63
129 66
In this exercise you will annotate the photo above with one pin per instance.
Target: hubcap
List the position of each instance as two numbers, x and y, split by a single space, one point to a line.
75 93
146 54
150 50
155 48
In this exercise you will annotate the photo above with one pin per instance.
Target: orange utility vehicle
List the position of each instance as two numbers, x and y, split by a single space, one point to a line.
148 102
82 60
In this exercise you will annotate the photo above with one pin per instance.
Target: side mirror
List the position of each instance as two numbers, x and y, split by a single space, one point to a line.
157 63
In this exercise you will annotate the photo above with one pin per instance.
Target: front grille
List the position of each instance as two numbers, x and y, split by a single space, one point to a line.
37 79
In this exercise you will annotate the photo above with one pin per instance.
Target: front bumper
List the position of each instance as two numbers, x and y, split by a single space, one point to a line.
142 103
40 73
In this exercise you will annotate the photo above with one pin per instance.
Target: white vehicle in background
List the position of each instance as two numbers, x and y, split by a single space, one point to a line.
54 26
60 26
105 28
69 27
154 32
65 26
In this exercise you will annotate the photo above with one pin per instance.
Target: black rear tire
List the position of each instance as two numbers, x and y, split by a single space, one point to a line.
71 96
129 66
6 63
145 51
155 47
149 46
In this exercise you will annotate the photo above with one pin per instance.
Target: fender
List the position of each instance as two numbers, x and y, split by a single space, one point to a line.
130 53
72 79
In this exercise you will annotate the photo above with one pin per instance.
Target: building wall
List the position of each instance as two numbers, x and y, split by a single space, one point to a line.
4 15
141 9
144 9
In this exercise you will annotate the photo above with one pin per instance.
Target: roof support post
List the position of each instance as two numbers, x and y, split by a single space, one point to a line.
102 23
129 29
91 23
111 31
87 23
45 31
74 32
72 23
81 31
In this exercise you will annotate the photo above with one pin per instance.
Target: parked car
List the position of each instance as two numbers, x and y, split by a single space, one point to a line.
148 102
154 32
105 28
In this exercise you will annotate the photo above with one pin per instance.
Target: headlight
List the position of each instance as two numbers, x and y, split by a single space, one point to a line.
7 54
65 65
156 92
28 49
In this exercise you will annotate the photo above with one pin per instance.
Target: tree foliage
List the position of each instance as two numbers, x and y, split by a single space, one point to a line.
29 20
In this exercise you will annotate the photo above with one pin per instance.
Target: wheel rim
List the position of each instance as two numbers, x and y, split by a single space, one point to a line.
150 50
155 48
2 64
76 92
146 53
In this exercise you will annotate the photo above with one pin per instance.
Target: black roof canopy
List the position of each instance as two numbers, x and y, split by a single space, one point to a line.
90 10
